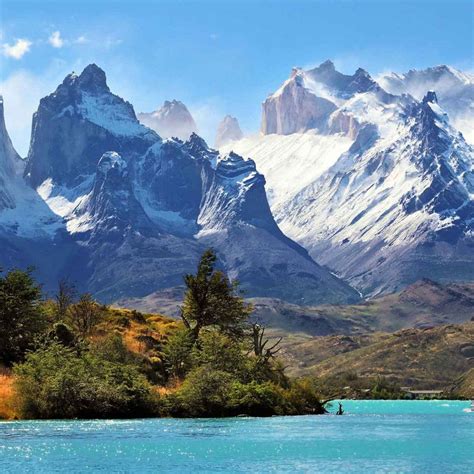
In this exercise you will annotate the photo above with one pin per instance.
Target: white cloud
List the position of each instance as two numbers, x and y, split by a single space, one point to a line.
81 40
112 42
55 40
18 49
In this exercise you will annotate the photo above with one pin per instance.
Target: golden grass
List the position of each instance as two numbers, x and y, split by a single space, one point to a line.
132 325
7 411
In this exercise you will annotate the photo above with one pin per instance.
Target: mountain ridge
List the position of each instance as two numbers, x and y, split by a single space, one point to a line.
135 211
382 184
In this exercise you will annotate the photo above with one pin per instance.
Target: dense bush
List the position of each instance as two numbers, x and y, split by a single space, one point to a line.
258 399
219 352
207 392
57 382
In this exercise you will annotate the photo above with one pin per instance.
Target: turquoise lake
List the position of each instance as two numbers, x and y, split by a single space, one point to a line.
373 436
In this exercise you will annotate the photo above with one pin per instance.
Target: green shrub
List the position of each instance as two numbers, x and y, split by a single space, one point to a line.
56 382
63 334
256 399
302 398
204 393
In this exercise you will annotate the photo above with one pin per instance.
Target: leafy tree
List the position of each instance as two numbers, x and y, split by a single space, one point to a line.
211 300
218 351
85 314
21 315
177 352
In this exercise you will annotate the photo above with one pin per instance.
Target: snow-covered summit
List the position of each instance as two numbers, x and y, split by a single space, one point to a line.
228 131
377 185
173 119
454 89
321 99
82 111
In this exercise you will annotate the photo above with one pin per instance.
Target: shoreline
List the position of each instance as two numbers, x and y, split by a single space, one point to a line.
243 416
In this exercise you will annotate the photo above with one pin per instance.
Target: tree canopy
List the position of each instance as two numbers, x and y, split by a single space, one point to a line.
212 300
21 318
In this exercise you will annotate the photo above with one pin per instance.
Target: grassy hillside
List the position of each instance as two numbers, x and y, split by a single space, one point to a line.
419 358
142 333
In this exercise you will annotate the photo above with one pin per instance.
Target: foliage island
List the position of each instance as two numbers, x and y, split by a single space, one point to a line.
72 357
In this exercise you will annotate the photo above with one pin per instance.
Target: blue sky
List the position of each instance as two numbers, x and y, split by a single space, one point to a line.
218 57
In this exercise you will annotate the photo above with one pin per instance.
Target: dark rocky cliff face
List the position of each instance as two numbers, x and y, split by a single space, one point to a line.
77 124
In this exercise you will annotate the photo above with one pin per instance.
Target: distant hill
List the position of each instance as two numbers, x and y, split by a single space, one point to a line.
419 358
420 305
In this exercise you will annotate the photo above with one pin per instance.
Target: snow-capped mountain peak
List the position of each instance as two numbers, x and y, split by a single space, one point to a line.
173 119
131 213
454 89
82 110
92 79
322 99
228 131
378 185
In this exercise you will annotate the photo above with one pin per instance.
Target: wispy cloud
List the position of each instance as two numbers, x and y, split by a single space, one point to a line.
81 40
112 42
207 114
55 40
18 49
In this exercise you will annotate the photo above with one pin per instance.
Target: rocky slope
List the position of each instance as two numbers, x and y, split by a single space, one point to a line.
135 212
464 385
173 119
379 187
